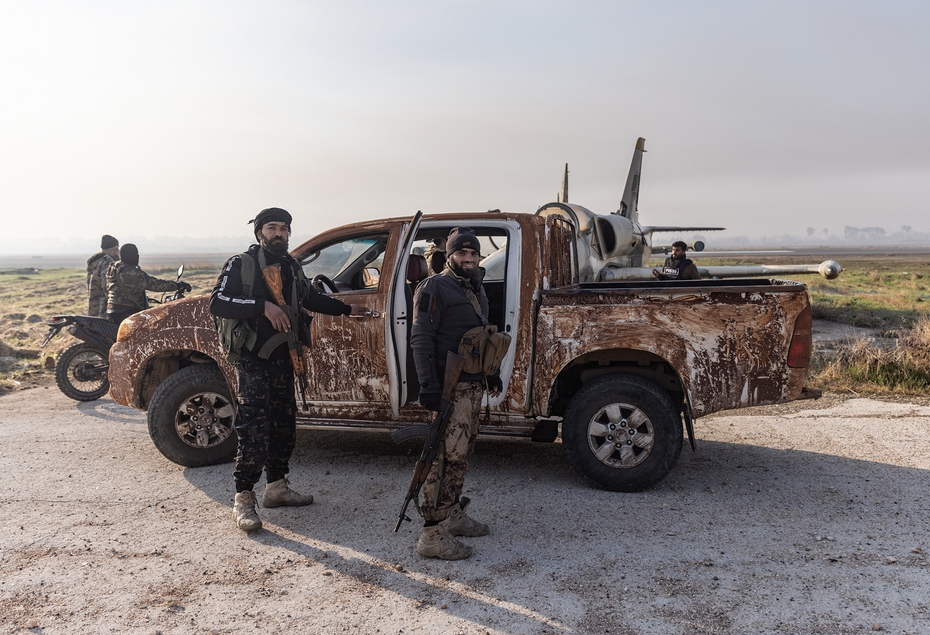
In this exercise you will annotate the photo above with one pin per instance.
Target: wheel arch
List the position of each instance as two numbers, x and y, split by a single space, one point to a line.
595 364
158 367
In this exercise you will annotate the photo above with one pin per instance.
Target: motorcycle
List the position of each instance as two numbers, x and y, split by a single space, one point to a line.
81 370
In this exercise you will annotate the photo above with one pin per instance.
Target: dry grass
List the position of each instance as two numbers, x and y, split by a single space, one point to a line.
28 297
863 367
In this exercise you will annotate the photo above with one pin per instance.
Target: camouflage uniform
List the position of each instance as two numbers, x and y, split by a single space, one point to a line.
126 287
97 266
443 486
435 259
266 408
443 313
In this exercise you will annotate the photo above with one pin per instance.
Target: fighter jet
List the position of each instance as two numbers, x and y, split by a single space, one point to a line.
616 247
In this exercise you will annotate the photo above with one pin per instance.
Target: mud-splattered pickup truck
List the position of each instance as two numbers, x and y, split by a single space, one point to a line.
617 368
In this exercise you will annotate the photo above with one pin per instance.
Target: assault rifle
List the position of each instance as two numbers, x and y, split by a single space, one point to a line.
437 430
272 276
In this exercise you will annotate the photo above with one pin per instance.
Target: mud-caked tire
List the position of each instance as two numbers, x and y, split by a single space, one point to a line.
81 372
622 432
191 417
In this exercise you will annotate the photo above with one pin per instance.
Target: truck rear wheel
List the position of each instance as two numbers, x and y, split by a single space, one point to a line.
191 418
622 432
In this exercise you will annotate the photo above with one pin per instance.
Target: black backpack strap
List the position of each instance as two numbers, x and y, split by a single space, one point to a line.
247 273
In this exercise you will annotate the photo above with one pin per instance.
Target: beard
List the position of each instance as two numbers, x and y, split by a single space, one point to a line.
277 246
457 269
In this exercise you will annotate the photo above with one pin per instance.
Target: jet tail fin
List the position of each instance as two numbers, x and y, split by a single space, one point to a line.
629 204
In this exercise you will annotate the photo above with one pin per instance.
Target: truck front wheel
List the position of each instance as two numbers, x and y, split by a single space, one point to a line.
191 418
622 432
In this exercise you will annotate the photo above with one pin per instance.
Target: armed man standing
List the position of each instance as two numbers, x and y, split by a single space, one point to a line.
678 266
446 307
97 266
263 340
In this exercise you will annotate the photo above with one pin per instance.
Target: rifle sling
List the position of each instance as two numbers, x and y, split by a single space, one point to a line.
469 293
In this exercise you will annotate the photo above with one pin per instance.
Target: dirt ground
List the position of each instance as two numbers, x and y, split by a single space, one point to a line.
806 518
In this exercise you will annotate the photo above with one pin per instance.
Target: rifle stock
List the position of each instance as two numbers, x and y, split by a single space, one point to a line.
437 430
275 284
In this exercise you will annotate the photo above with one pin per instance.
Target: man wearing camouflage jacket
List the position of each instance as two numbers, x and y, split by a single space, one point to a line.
97 267
127 284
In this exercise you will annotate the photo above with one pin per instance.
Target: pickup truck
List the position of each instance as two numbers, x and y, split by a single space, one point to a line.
618 369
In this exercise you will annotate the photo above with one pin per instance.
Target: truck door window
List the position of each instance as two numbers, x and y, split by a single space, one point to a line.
354 264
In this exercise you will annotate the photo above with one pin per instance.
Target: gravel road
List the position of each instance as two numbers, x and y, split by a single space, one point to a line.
805 518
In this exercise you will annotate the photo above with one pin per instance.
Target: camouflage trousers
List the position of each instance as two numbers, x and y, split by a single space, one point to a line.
97 303
265 419
443 485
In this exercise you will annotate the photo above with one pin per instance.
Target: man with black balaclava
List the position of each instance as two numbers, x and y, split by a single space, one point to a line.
266 405
678 266
97 267
446 306
127 284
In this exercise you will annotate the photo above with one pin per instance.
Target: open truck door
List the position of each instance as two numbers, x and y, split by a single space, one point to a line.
399 320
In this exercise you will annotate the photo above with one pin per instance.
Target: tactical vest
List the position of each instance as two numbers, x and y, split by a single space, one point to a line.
237 335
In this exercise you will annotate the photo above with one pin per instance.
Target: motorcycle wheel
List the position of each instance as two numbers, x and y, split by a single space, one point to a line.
81 372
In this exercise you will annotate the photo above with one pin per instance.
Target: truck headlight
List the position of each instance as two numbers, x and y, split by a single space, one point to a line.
127 327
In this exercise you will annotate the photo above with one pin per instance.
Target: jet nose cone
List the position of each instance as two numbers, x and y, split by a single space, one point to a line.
830 269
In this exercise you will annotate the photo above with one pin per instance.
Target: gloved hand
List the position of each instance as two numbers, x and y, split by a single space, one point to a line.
495 383
183 287
430 397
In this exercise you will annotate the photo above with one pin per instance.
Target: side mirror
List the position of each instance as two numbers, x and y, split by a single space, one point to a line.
371 277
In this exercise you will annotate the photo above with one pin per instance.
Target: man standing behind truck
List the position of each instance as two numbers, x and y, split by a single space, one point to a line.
446 307
678 266
250 318
97 266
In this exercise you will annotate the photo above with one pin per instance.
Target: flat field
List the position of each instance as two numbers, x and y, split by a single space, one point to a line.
29 297
878 289
885 292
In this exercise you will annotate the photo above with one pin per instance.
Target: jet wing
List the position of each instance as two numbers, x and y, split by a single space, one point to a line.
675 228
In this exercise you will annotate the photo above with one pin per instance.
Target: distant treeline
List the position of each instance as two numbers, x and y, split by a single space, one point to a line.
850 236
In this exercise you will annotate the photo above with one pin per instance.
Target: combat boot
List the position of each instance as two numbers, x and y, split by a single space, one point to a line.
435 542
244 511
458 523
280 493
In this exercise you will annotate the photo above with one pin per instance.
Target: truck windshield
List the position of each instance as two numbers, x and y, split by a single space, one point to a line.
354 263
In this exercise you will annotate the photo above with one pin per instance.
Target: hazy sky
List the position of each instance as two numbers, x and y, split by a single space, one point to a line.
185 118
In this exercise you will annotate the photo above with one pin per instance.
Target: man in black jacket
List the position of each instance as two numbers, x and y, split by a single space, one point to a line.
678 266
446 306
266 406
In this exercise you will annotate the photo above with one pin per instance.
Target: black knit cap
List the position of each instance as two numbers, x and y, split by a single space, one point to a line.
129 254
462 238
108 241
272 215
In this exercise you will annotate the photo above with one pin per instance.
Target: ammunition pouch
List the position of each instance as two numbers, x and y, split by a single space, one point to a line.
484 348
235 336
